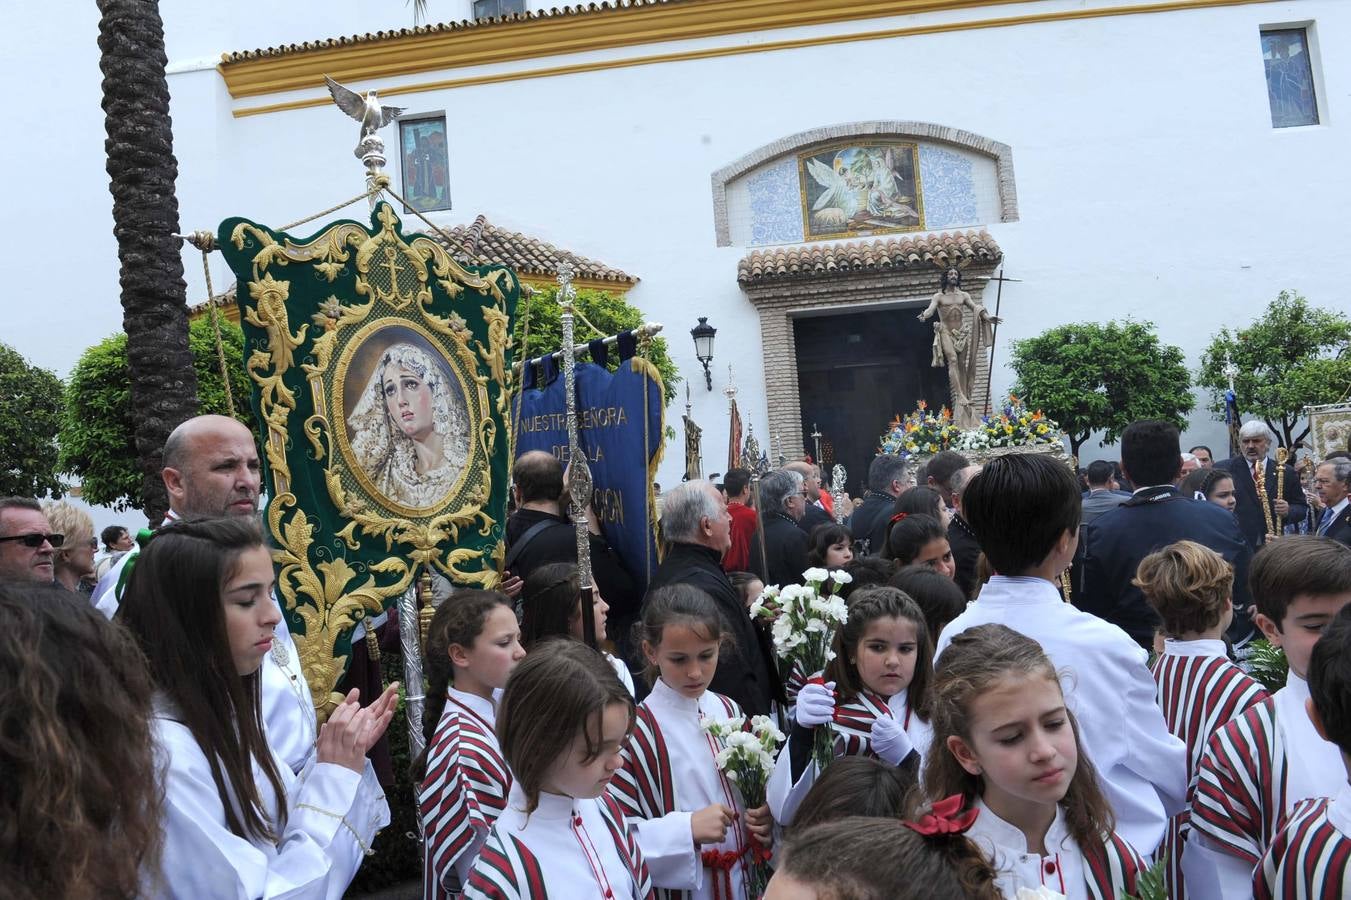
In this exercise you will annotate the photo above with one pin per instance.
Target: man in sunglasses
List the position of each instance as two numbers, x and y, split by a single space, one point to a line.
26 541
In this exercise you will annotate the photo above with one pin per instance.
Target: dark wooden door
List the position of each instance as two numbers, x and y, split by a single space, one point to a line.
858 370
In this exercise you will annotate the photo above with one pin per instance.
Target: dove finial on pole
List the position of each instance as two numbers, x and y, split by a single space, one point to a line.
367 110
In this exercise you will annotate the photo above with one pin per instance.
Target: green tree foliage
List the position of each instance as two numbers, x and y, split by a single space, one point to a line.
30 416
1295 355
602 309
97 442
1091 377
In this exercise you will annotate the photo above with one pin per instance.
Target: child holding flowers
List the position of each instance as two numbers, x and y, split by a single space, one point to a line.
695 832
880 663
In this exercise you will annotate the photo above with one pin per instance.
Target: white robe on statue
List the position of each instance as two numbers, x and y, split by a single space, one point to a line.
333 814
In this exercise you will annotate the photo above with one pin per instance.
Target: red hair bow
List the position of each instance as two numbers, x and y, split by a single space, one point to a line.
898 517
946 817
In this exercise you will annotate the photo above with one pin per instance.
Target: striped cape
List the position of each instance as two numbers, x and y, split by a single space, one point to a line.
1309 857
507 870
1198 694
1111 869
1241 784
464 792
853 723
643 786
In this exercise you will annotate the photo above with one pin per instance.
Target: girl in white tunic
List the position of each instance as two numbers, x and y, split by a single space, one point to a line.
882 666
237 822
551 606
562 722
1005 744
473 644
688 818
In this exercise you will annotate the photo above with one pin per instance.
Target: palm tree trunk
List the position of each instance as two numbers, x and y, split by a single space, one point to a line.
142 171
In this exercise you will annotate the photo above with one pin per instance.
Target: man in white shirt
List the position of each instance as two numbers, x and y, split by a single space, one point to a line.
1025 510
211 469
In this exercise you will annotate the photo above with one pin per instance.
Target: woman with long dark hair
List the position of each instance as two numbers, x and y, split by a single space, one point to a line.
237 822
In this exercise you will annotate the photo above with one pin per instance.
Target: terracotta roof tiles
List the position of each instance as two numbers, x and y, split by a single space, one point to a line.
909 251
482 243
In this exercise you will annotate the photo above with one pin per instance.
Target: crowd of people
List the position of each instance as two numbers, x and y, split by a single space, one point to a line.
1040 685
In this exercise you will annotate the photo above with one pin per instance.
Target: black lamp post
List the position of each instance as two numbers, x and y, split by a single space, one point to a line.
703 346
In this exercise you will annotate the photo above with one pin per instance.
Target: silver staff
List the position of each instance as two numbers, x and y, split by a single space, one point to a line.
579 473
837 492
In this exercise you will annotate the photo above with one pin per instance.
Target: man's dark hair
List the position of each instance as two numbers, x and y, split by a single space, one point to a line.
734 483
1151 452
1018 507
1209 452
538 476
883 470
1296 565
1100 473
1330 680
111 533
942 467
866 571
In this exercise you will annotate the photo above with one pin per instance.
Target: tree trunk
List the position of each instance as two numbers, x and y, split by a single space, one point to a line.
1076 441
142 171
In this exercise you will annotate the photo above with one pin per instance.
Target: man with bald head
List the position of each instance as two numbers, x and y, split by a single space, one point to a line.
814 513
211 469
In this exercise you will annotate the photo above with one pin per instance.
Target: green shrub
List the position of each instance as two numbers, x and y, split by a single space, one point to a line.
30 416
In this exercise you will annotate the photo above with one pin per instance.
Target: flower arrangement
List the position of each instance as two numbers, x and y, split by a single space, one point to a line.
921 431
805 617
747 759
924 433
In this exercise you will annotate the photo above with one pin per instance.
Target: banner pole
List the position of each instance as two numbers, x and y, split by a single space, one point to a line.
579 473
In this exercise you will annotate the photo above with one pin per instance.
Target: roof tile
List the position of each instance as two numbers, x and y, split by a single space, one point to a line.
911 251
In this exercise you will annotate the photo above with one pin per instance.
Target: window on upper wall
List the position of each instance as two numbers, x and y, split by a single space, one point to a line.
1289 65
491 9
424 162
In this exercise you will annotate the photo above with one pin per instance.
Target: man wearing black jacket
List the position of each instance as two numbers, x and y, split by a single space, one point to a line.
1156 515
538 534
886 481
697 528
961 539
785 548
1289 509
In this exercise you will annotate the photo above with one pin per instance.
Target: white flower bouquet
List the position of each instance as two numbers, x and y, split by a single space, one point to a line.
805 617
747 759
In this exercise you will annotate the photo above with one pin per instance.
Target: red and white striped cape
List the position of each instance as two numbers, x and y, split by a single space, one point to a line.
643 786
1198 694
1241 784
507 870
1111 869
1309 857
464 792
853 724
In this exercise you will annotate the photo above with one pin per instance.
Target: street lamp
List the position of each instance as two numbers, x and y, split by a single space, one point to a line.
703 346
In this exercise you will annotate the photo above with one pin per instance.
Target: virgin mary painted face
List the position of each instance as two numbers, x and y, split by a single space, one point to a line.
408 400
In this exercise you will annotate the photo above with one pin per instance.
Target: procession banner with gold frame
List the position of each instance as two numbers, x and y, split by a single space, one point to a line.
382 378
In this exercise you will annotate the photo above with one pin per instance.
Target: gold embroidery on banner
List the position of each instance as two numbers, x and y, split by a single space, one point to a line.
393 288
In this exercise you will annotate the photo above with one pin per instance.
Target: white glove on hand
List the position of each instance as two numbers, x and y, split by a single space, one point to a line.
815 704
889 740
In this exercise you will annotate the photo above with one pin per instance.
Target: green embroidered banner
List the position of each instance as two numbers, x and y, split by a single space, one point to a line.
382 385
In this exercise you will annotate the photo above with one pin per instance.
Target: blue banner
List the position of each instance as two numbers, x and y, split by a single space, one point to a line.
620 424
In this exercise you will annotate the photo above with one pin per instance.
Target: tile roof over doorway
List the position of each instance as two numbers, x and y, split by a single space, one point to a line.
482 243
907 252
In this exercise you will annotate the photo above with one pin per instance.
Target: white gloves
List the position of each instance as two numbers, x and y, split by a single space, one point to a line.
815 704
889 740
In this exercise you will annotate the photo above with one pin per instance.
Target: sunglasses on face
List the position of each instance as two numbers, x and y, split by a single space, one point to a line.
36 540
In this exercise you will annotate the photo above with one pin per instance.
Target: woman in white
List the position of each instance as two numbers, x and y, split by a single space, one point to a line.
409 431
237 822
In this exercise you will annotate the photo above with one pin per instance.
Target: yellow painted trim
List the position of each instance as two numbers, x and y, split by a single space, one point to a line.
617 288
306 70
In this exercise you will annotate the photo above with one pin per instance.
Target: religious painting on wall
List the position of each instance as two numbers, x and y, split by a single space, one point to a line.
382 382
860 188
424 163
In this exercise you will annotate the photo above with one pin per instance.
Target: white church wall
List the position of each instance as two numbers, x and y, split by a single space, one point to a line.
1150 182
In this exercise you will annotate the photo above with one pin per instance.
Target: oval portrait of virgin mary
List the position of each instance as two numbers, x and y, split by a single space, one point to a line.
408 427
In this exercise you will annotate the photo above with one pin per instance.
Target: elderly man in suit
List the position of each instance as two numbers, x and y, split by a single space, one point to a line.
1154 517
1289 508
1332 481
